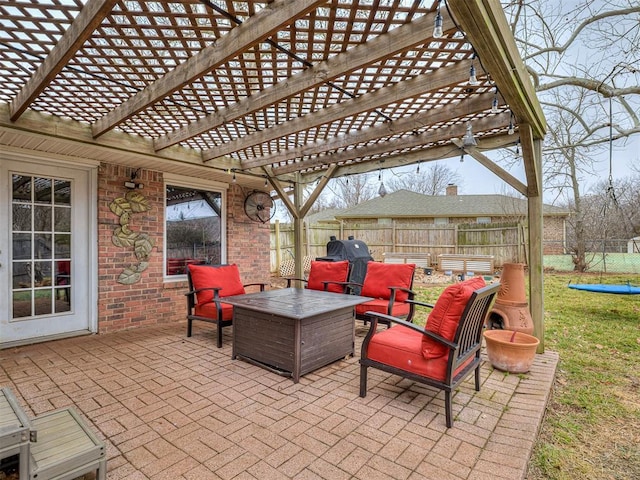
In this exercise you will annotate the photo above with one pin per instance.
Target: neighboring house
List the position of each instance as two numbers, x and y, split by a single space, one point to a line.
406 207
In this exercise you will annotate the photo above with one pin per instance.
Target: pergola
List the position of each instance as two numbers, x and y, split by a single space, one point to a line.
291 92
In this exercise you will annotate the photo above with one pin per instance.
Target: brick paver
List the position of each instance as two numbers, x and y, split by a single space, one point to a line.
174 407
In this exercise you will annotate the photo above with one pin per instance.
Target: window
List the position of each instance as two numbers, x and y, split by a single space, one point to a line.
441 221
41 241
194 223
483 220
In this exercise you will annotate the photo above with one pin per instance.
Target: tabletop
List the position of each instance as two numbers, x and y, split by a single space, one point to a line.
295 302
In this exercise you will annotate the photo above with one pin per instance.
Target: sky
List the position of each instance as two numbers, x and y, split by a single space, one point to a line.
476 179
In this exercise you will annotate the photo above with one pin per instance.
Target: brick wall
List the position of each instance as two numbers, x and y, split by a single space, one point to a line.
247 241
151 300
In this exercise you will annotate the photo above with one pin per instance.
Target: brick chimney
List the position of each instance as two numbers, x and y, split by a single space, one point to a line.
452 189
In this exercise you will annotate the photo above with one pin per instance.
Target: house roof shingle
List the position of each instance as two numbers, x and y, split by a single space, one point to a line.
406 204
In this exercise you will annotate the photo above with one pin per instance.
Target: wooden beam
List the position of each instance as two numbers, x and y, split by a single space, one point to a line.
530 165
71 41
425 138
298 238
49 126
493 167
536 258
432 116
282 194
318 190
486 27
426 155
418 85
258 27
383 46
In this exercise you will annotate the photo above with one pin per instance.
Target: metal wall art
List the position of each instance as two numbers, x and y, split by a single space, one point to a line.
123 236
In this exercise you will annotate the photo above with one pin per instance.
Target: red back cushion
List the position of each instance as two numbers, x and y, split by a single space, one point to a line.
445 316
380 276
328 271
226 277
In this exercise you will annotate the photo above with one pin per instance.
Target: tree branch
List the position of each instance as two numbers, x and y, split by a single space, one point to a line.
593 85
582 26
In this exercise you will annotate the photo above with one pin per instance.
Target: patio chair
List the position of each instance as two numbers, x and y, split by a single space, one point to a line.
390 285
329 276
444 352
208 285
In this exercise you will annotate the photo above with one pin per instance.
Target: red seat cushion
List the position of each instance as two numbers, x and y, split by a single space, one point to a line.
380 276
328 271
445 316
227 277
209 310
399 309
400 347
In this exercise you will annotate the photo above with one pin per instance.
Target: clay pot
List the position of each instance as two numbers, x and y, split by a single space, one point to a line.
509 351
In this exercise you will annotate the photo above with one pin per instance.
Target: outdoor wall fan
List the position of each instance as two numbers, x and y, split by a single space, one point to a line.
259 206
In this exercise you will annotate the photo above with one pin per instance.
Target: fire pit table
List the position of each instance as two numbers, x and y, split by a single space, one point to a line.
293 331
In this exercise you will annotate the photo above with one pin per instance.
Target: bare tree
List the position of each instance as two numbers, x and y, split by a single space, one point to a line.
351 190
431 179
583 57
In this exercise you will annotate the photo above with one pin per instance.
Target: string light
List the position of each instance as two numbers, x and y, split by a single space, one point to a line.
473 79
437 24
233 179
511 129
266 182
418 168
518 148
382 191
494 104
469 140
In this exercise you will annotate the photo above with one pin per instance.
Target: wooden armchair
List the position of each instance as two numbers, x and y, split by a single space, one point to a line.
208 285
329 276
443 353
390 285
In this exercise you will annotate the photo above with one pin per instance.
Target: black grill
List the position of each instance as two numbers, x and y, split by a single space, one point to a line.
356 251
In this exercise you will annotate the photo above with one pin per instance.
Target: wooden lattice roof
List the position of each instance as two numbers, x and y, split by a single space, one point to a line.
270 88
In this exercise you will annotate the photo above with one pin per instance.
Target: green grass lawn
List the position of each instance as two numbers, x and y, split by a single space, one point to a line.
592 426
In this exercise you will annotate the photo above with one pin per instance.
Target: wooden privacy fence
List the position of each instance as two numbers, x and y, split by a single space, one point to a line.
506 242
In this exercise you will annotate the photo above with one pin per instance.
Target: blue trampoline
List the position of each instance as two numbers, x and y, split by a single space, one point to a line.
626 289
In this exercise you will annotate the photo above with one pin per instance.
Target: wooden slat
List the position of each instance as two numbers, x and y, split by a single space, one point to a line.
410 123
360 56
414 87
429 137
84 25
65 444
260 26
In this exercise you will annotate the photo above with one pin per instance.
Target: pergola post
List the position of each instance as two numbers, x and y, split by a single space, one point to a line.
298 234
536 267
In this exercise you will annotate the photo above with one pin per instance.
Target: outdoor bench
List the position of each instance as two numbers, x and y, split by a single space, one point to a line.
421 260
464 264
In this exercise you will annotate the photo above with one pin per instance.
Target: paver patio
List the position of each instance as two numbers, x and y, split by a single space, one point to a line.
172 407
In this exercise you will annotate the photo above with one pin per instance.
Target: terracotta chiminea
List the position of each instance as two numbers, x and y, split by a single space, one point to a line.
511 310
